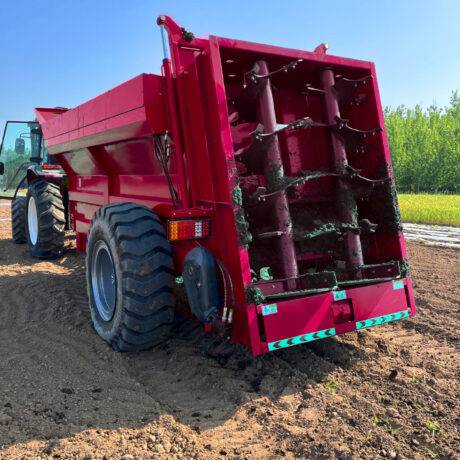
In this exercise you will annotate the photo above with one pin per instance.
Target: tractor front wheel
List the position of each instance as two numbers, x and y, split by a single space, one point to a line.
129 276
45 220
18 220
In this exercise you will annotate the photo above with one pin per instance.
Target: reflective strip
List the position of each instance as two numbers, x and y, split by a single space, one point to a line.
398 284
269 309
198 229
299 339
340 295
381 319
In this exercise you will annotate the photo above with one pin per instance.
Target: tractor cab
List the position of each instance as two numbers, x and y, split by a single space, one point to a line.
25 164
22 146
23 154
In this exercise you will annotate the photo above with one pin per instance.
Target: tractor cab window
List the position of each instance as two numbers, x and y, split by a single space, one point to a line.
22 145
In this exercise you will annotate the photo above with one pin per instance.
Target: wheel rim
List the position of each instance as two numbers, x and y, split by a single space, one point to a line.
103 281
32 220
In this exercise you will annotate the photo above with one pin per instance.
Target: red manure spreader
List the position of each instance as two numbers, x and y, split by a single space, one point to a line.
258 176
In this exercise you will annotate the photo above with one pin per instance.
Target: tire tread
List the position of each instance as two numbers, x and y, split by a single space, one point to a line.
51 220
18 220
147 276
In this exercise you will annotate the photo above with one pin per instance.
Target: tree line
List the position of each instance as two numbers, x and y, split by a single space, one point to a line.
425 147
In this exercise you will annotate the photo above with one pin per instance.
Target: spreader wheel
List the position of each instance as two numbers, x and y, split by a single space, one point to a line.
45 222
129 276
18 220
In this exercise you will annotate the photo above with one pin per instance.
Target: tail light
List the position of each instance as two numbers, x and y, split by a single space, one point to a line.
49 166
188 229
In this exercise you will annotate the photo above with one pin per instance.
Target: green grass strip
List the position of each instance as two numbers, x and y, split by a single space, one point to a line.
430 209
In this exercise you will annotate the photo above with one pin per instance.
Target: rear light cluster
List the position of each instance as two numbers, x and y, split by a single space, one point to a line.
49 166
188 229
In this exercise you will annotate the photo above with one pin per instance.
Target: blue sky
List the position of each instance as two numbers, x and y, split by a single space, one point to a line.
63 52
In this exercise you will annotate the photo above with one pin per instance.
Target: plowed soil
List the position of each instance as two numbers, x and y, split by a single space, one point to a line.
390 391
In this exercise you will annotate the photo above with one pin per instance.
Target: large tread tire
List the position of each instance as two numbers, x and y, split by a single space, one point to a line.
49 241
143 269
18 220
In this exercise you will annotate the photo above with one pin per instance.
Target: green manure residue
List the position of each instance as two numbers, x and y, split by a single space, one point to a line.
430 209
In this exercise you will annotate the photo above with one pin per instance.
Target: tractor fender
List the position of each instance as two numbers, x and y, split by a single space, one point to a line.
32 174
35 172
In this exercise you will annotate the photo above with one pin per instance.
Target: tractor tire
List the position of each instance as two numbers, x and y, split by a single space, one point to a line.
45 220
18 220
129 277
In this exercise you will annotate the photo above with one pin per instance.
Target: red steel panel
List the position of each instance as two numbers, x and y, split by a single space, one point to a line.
310 314
123 112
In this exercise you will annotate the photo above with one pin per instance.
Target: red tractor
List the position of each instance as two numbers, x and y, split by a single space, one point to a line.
26 165
258 175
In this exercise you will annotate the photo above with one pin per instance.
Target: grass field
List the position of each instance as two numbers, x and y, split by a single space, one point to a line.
430 209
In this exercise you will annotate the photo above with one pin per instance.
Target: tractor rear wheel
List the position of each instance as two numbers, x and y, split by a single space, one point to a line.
45 222
18 220
129 276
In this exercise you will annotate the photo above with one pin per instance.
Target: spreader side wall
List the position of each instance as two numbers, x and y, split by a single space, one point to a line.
106 148
133 109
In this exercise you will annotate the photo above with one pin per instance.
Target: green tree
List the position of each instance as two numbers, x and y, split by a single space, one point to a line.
425 147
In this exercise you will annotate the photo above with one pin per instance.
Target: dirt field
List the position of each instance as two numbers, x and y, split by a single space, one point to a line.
387 392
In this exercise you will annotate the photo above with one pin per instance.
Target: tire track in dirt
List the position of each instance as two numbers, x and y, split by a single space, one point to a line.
436 276
30 306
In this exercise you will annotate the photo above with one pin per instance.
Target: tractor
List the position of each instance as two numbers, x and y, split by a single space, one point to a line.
26 165
258 176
